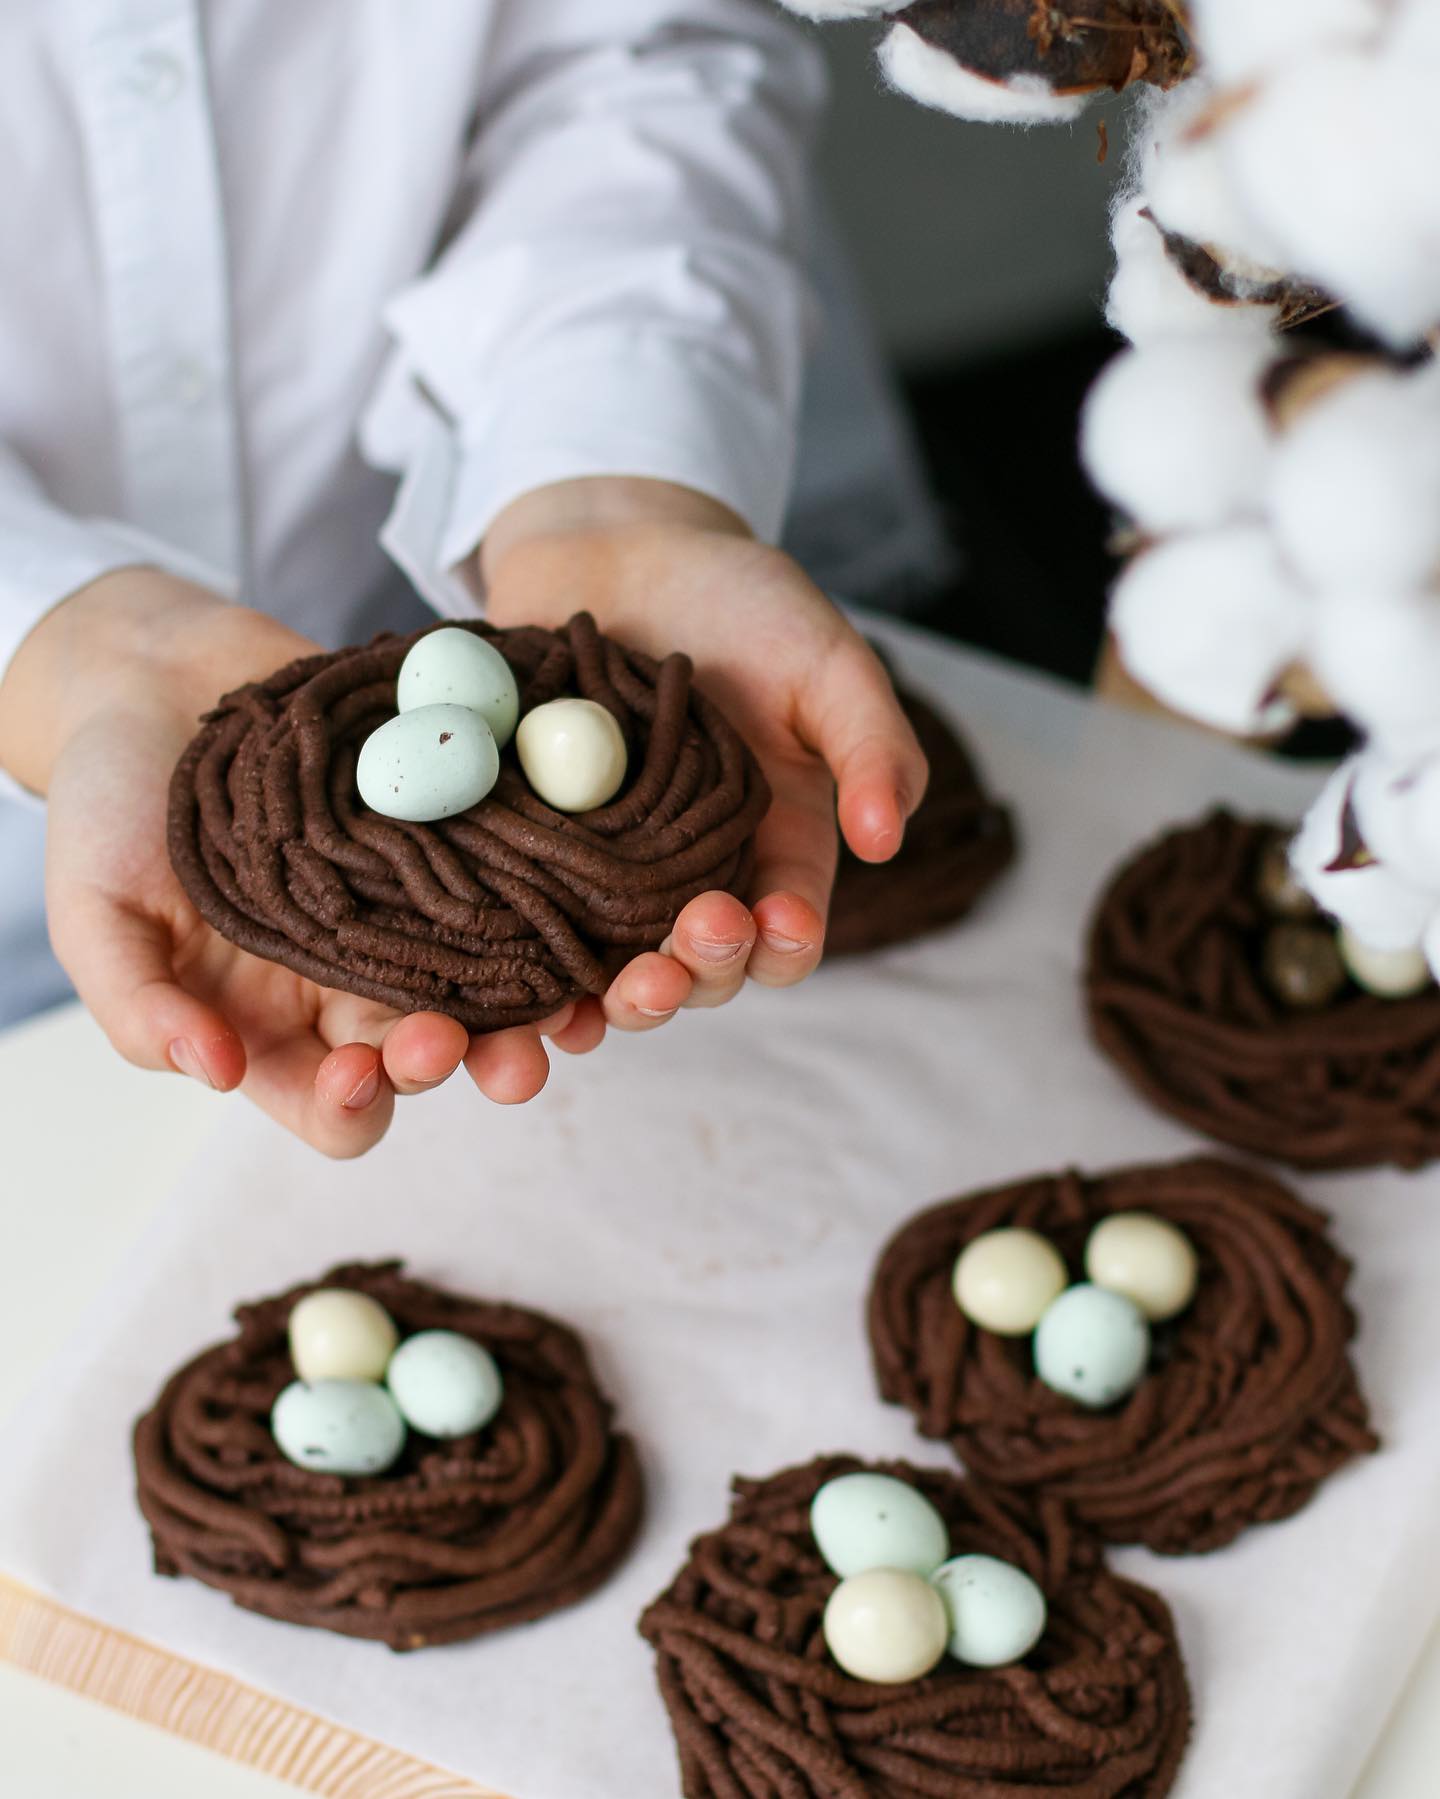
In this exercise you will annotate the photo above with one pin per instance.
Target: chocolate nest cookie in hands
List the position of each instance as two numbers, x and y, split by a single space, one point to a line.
1099 1709
1178 1000
958 842
498 915
1250 1401
457 1539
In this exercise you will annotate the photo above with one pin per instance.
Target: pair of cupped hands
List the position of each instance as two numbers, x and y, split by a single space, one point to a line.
105 692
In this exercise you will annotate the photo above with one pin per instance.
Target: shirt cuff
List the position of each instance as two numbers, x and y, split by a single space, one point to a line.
606 403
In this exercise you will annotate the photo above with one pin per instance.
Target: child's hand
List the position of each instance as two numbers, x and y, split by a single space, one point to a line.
95 710
664 569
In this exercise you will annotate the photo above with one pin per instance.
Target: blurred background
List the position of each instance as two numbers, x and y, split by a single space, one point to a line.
978 256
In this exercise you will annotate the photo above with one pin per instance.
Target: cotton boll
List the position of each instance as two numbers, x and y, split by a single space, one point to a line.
1240 40
1378 655
1336 161
1150 298
935 79
1396 802
1355 484
1208 623
1175 433
843 9
1381 907
1190 189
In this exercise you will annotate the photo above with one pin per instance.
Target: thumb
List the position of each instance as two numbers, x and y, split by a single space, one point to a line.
857 724
121 962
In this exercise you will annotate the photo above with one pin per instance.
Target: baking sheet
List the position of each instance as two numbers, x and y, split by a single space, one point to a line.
705 1204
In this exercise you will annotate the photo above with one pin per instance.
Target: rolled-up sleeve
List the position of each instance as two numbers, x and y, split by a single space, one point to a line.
623 292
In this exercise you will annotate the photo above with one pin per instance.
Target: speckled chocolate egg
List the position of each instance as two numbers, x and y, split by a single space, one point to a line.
445 1385
349 1427
864 1520
451 667
1092 1345
997 1613
427 764
1276 887
1302 966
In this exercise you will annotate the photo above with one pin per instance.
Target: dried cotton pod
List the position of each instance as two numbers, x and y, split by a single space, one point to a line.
1013 60
1332 862
1150 295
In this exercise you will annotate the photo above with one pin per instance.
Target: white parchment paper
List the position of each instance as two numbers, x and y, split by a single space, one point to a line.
705 1205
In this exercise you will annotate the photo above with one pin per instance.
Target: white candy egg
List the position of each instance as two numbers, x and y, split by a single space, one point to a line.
1390 973
1004 1279
1148 1259
886 1625
863 1520
997 1613
1092 1345
444 1384
573 754
338 1334
427 764
451 667
338 1427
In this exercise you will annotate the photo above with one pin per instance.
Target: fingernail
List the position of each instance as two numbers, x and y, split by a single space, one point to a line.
667 948
785 946
364 1092
660 1012
185 1061
709 951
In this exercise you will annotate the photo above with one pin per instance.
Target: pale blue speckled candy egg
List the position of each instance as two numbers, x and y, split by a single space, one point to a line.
997 1613
863 1521
1092 1345
444 1384
338 1426
451 667
427 764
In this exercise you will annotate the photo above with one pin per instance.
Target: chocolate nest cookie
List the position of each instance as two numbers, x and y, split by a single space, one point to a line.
1099 1708
958 842
459 1538
1177 999
1250 1401
498 915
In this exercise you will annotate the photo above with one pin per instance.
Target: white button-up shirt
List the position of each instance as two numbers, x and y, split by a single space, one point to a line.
284 281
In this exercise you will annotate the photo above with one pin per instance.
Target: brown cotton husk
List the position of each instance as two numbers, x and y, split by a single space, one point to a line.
1291 386
1075 49
1212 271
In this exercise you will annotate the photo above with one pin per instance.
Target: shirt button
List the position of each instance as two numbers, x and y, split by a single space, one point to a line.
190 382
156 76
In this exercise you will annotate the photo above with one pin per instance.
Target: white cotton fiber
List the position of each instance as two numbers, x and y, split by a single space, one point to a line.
1337 161
1208 623
1191 190
1241 39
1378 655
1380 906
1354 490
1397 804
935 79
1175 433
1149 298
842 9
